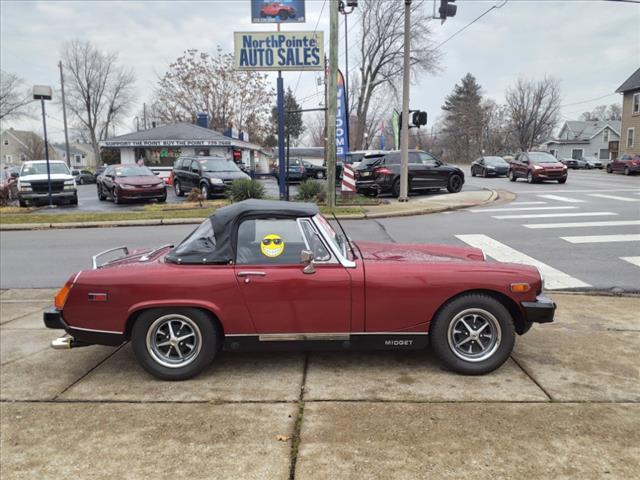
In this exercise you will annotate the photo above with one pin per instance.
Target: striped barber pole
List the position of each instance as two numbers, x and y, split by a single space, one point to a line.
348 180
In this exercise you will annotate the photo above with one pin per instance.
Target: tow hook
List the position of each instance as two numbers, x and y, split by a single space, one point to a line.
62 343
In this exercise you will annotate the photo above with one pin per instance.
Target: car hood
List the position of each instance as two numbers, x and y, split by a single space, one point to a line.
231 175
43 176
140 180
549 165
417 252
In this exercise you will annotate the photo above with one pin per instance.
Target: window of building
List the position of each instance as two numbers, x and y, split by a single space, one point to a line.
553 152
605 135
577 153
604 154
630 137
78 159
636 103
6 142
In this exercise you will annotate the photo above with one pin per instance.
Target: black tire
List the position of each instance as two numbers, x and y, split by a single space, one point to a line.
473 172
178 188
81 181
484 173
74 201
114 195
371 193
454 185
162 199
563 180
319 174
609 169
148 330
512 176
626 171
101 196
204 188
395 188
472 309
530 177
22 203
283 15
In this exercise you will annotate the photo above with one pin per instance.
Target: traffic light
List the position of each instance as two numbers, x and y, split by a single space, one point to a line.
447 10
419 118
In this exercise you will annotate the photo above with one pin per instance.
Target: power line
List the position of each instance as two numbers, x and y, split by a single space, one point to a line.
494 7
587 101
314 31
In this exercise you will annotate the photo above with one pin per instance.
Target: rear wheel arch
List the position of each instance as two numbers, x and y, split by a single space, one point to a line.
521 325
136 314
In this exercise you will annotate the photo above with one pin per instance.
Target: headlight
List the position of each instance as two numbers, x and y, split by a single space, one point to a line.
216 181
126 186
537 167
69 184
24 186
564 167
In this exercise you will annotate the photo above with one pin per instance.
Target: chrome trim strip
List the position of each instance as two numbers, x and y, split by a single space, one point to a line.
95 257
345 262
92 330
75 279
343 334
293 337
147 256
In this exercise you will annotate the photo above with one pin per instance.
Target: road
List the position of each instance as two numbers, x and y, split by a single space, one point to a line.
582 235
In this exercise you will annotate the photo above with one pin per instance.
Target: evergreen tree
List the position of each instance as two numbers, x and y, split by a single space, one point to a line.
292 121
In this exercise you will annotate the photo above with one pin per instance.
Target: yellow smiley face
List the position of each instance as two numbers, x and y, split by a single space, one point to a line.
272 245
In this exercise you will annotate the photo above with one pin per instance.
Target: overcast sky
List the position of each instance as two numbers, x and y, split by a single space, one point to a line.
590 46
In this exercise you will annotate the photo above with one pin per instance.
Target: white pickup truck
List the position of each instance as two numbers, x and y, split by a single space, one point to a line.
33 185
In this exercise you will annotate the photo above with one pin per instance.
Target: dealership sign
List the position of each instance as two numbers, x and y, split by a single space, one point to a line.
166 143
342 122
279 50
284 11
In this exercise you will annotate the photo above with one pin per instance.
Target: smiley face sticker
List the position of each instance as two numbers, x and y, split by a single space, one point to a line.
272 245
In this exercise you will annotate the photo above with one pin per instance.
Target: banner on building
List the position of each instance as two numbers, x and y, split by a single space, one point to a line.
342 121
395 126
279 50
284 11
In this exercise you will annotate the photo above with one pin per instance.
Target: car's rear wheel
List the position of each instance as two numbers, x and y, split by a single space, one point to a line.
454 185
81 181
473 172
178 188
609 169
512 176
395 188
473 334
175 344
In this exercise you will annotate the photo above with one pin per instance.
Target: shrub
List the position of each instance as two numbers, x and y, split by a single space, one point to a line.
195 195
245 188
312 190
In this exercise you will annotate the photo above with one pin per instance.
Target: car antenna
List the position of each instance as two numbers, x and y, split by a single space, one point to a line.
345 235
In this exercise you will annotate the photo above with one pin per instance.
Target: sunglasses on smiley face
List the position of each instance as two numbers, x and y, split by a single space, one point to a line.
269 241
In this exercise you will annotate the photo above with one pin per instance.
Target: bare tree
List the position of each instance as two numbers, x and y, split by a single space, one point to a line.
603 113
14 97
534 108
31 147
315 129
381 49
200 82
99 92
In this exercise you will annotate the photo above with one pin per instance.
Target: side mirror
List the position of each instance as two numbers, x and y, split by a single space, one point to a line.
15 174
306 258
156 173
75 172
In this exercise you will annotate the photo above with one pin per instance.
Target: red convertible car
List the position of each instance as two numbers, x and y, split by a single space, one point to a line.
275 275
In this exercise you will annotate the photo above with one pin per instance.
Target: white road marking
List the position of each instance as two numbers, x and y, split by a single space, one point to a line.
554 279
562 199
618 223
556 215
634 260
616 190
625 237
527 203
517 209
613 197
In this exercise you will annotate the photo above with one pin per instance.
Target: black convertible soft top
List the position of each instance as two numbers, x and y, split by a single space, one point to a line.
213 241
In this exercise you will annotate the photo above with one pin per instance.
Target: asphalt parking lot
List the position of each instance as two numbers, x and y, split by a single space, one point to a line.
565 405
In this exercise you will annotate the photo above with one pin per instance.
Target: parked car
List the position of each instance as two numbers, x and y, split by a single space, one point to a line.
8 184
100 171
33 184
489 166
130 182
277 9
592 162
296 173
312 170
84 176
626 164
162 172
574 163
380 173
212 175
536 167
269 275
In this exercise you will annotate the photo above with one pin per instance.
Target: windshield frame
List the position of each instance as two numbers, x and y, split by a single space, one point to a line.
338 243
52 165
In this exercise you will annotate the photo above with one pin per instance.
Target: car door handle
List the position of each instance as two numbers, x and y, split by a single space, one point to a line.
251 273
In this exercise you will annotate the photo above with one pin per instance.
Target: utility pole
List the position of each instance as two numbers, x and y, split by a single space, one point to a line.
144 115
404 127
326 110
64 117
332 104
283 173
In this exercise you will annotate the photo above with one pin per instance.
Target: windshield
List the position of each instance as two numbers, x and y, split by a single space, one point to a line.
354 157
541 157
370 161
201 240
41 168
494 161
218 165
133 171
338 241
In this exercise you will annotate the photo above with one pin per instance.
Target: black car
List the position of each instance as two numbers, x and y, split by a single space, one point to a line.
210 174
297 171
489 166
574 163
314 171
380 173
84 176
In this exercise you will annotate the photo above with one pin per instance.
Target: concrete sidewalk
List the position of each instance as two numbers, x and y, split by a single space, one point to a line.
566 405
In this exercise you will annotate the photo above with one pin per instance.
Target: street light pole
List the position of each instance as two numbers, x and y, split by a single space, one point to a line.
332 104
64 117
46 151
404 128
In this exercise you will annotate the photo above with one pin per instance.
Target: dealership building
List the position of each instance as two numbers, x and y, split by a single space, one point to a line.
161 146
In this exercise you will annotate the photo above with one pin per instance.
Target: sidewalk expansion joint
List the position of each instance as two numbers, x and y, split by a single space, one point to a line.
532 378
297 426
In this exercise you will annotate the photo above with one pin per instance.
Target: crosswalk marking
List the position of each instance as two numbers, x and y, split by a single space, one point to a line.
527 203
517 209
633 260
555 215
554 279
618 223
614 197
626 237
562 199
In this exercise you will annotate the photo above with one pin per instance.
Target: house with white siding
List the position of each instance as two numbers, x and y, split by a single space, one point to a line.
579 139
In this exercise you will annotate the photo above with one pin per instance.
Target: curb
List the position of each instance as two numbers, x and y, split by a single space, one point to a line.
494 195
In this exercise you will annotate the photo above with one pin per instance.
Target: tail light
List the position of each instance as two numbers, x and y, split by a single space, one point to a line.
302 168
170 179
382 171
61 297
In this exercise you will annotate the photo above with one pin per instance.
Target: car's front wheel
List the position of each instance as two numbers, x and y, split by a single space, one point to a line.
177 187
530 177
175 344
512 176
609 169
204 188
319 175
473 334
454 185
626 171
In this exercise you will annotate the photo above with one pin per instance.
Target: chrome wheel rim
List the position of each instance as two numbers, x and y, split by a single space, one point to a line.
176 186
474 335
174 341
205 191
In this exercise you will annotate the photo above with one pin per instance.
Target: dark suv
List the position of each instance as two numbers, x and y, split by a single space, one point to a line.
380 173
209 174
